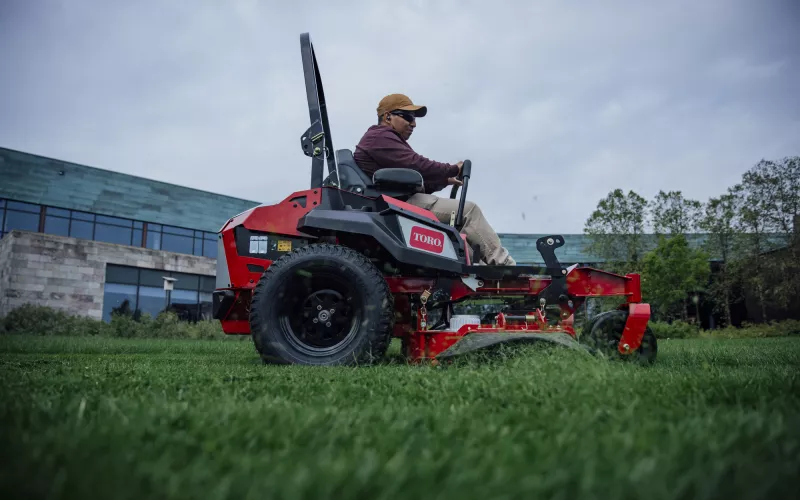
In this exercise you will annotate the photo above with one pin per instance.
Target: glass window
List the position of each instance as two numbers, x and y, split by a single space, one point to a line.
151 300
205 306
81 229
56 225
183 297
178 230
2 203
210 248
184 303
118 299
152 277
122 274
112 234
137 224
114 220
154 227
208 284
137 238
82 215
198 246
186 281
180 244
25 207
153 240
57 211
25 221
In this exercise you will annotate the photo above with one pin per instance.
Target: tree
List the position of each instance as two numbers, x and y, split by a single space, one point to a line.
776 187
769 259
615 230
718 221
672 271
673 214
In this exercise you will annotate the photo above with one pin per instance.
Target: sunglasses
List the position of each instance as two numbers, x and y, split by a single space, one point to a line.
405 115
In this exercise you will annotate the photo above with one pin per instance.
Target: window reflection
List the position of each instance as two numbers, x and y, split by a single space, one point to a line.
23 221
174 243
151 300
112 234
118 299
56 225
89 226
144 290
81 229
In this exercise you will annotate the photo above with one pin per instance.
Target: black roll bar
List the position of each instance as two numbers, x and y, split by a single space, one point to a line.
316 141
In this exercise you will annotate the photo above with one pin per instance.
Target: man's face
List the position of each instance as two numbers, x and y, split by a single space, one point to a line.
403 122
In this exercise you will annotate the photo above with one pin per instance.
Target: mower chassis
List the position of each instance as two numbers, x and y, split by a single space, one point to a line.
423 343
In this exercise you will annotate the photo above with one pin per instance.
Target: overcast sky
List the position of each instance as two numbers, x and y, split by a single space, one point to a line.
556 103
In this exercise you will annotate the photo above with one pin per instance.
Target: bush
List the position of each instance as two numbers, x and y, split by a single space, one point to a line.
784 328
45 321
674 330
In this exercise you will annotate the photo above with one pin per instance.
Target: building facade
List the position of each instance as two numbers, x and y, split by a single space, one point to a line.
88 240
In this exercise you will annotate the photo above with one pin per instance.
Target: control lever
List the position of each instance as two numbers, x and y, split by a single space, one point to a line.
466 170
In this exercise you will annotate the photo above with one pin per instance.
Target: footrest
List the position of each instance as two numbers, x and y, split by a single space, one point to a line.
503 272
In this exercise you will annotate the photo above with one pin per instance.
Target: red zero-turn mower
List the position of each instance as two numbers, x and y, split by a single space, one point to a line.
332 273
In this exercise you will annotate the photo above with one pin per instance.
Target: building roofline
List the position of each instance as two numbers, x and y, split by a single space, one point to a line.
123 174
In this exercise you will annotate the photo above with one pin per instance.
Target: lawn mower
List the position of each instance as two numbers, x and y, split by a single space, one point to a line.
331 274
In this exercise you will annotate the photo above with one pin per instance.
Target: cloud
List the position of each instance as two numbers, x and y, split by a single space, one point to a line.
556 103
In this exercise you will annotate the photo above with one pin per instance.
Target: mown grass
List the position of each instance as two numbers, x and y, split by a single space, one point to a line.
130 418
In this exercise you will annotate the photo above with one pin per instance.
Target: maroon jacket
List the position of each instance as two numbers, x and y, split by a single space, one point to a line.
382 147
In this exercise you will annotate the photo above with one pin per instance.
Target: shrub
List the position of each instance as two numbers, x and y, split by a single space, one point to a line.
784 328
674 330
41 320
45 321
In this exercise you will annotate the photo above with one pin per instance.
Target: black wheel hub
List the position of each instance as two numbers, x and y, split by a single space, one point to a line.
320 315
326 319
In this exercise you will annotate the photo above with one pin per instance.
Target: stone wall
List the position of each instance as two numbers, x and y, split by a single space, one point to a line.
5 270
69 273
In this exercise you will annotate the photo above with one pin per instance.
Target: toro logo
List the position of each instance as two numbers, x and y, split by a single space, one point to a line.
427 239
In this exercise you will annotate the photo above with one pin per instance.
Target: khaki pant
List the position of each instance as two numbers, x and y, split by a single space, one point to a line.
479 233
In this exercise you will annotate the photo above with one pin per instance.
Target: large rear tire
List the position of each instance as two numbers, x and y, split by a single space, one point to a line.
603 333
322 304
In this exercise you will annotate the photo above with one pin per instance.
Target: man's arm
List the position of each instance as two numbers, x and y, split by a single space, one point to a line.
389 151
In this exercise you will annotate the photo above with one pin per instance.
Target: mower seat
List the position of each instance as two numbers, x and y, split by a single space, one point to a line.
351 177
398 183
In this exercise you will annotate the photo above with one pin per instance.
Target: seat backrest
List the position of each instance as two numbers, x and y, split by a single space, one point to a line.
351 177
397 183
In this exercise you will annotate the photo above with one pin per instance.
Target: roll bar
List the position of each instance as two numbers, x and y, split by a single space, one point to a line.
316 141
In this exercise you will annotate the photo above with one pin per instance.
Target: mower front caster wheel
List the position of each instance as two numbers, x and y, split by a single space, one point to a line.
602 335
322 304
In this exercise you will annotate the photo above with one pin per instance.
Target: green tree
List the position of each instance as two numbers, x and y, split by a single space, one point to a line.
616 229
774 188
718 221
672 271
768 258
673 214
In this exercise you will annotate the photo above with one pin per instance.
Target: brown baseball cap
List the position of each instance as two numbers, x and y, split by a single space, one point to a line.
393 102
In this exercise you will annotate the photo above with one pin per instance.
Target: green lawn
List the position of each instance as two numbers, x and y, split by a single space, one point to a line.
114 418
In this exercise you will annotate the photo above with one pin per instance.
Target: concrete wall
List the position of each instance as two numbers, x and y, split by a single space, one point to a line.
69 273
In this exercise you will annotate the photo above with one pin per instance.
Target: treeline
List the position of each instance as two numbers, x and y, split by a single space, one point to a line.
742 243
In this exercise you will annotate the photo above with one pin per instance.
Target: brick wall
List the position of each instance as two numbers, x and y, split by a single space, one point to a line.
69 273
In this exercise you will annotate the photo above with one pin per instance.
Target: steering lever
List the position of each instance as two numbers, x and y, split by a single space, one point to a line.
466 170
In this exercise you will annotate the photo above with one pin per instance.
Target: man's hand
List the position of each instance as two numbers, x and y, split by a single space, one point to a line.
453 181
